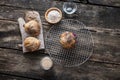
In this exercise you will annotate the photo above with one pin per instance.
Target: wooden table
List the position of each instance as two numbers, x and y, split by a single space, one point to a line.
102 18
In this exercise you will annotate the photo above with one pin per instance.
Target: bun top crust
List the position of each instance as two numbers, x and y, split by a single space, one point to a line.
67 39
31 43
32 27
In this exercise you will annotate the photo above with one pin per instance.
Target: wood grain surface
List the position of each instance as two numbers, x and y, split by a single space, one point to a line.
9 77
106 2
102 21
13 62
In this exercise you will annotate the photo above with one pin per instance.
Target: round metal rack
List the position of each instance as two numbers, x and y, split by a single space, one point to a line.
74 56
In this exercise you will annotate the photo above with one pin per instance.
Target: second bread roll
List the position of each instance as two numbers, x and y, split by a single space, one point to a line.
32 27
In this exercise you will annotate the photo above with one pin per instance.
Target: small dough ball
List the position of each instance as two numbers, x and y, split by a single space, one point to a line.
32 27
31 43
67 39
31 15
46 63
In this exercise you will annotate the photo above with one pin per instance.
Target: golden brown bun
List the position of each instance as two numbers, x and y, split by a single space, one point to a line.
67 39
32 27
31 43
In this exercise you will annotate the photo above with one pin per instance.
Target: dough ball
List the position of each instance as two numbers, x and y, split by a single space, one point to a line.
67 39
32 27
31 43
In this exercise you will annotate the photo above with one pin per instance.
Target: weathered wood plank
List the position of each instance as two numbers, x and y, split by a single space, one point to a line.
93 16
106 41
78 1
13 13
28 4
97 19
98 16
35 4
14 62
10 34
106 2
103 22
9 77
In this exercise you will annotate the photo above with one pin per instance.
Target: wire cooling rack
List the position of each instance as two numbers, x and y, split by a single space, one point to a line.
74 56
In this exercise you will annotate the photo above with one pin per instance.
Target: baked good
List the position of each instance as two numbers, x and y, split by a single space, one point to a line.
31 15
67 39
53 15
32 27
31 43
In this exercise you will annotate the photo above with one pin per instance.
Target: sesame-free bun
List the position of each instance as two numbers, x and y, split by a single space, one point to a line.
32 27
31 43
67 40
